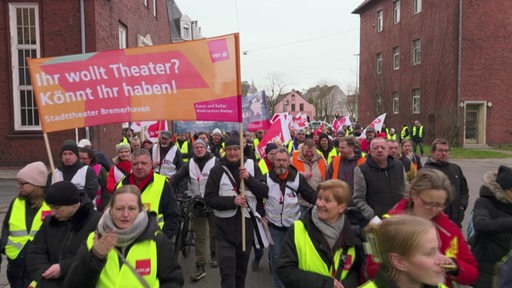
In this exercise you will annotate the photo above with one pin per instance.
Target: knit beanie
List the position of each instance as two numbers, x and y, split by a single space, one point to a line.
69 145
34 173
217 131
63 193
122 146
200 142
166 134
504 177
270 146
233 140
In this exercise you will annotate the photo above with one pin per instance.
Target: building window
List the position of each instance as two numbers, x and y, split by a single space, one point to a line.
396 11
380 20
293 97
395 102
293 107
396 58
416 100
416 51
416 6
154 8
380 104
285 108
122 36
24 23
301 106
379 60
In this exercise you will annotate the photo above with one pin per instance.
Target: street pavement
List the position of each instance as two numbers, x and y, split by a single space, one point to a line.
473 169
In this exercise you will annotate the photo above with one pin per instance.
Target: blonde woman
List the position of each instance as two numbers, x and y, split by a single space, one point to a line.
408 248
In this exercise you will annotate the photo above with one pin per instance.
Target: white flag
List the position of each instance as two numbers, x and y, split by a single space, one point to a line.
377 124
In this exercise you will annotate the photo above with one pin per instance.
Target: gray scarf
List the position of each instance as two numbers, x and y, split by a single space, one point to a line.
331 232
124 236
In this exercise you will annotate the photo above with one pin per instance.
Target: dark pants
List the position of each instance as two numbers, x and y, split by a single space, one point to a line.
16 273
415 143
232 263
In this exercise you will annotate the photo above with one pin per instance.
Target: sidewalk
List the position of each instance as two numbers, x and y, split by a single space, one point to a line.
8 173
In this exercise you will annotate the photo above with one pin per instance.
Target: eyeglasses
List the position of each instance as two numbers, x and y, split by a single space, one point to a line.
22 183
432 205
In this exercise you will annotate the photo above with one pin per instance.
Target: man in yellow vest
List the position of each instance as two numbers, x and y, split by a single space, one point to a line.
392 134
417 136
23 219
155 190
184 146
405 133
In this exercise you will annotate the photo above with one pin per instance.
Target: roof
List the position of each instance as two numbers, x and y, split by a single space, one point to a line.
363 6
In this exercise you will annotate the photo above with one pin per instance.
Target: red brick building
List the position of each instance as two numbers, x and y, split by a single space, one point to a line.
55 28
445 63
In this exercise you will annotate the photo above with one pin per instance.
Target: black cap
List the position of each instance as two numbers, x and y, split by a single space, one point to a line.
69 145
504 177
63 193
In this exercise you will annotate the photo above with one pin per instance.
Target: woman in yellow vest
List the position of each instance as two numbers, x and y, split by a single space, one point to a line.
23 220
127 250
321 249
408 247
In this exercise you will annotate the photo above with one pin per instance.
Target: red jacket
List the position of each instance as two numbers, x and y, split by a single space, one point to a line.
453 245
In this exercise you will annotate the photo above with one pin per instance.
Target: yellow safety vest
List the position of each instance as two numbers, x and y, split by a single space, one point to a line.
420 131
392 137
142 257
330 156
151 196
184 150
289 146
256 142
18 233
371 284
310 260
263 166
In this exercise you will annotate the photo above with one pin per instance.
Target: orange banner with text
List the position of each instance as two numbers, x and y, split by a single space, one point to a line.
192 80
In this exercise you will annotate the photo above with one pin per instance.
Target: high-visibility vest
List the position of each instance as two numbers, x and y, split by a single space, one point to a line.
310 260
371 284
289 146
392 137
142 257
420 131
263 166
405 133
151 196
333 153
183 149
18 233
336 165
300 164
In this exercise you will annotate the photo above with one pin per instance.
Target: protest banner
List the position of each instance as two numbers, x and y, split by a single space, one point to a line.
191 80
255 111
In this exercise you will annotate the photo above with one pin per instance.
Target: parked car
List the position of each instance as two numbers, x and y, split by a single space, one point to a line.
317 124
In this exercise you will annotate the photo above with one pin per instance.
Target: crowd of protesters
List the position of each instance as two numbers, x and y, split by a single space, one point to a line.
334 208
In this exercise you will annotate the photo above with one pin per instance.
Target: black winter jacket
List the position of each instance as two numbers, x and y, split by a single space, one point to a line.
459 204
86 270
57 242
228 229
492 219
288 266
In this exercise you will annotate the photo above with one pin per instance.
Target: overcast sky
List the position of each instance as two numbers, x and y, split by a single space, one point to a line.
303 42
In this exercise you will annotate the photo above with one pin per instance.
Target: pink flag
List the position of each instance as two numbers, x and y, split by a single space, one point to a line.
151 128
338 123
279 130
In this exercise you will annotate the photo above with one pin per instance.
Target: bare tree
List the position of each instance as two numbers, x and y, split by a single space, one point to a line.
276 86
